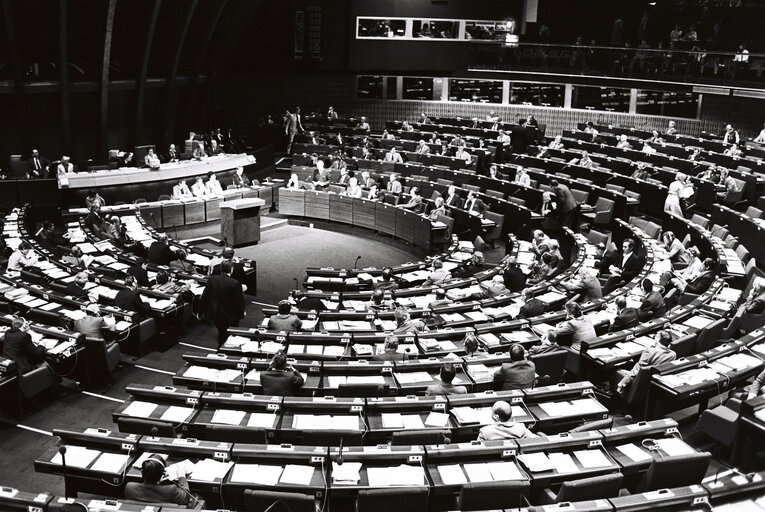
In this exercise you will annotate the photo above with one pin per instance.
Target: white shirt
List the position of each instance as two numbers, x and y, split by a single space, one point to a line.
181 191
199 189
64 168
19 260
213 187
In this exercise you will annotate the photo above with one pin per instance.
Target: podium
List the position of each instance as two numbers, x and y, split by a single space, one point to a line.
240 221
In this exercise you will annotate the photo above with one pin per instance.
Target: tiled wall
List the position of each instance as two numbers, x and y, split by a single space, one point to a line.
245 100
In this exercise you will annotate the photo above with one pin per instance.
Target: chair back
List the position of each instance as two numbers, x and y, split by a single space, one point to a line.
549 366
675 471
400 499
492 495
596 237
615 188
332 437
700 220
363 390
594 488
581 196
258 499
233 434
416 437
710 336
163 197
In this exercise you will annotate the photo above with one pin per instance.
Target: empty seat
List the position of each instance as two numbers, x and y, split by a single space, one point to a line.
675 471
265 500
700 220
753 212
586 489
604 210
492 495
615 188
400 499
581 196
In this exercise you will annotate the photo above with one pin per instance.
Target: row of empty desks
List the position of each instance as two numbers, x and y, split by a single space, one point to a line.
383 217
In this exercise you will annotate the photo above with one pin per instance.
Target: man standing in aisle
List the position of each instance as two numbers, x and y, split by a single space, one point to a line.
292 125
223 301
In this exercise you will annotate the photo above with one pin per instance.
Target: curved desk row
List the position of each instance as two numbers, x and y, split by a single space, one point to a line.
382 217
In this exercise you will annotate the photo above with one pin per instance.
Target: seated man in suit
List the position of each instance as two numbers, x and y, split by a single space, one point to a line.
66 166
172 154
452 198
651 357
513 276
653 302
390 350
504 427
625 317
129 298
160 252
439 274
414 201
470 267
150 490
438 209
700 283
285 320
578 326
404 324
393 156
139 271
624 270
495 174
493 288
394 185
387 283
531 305
446 374
517 374
280 379
181 190
18 346
240 178
76 288
38 164
587 286
93 324
473 205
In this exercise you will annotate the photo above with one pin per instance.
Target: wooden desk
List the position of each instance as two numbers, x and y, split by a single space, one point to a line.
240 221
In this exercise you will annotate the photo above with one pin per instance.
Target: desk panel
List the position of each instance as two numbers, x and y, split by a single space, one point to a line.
173 215
405 224
385 218
292 202
212 209
364 213
317 205
195 212
341 209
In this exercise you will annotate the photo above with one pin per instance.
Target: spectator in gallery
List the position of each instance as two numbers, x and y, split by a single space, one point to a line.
731 136
331 114
353 190
363 125
151 160
623 143
422 148
671 128
760 139
591 130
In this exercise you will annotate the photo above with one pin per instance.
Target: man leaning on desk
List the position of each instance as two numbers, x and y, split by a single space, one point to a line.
279 379
17 346
503 426
150 490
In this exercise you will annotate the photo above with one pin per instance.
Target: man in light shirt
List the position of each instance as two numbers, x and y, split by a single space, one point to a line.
151 160
213 185
393 156
198 188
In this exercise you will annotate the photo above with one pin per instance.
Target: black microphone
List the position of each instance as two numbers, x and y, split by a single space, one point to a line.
339 458
406 353
154 431
444 439
62 451
175 231
355 262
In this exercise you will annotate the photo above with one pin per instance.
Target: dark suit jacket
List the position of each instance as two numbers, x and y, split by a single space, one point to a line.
140 274
516 375
222 299
479 206
519 138
161 493
161 254
280 383
455 201
18 346
702 282
652 304
242 181
237 271
515 279
533 307
630 268
565 199
130 300
627 317
75 291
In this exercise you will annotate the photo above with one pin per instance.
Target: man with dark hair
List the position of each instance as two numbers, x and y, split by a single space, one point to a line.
652 356
160 252
223 301
567 205
285 320
128 298
307 303
517 374
702 282
519 137
446 374
280 379
18 346
653 303
387 282
513 276
390 350
625 317
504 427
149 490
139 272
625 269
292 125
237 267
